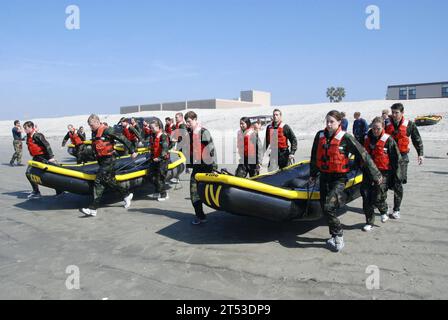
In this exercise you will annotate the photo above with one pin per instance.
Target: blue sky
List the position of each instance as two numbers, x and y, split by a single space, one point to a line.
137 52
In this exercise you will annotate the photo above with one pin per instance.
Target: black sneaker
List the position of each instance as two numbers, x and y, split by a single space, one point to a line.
197 221
11 163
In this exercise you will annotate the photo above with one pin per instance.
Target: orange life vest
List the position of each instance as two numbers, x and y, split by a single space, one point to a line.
282 140
400 135
378 152
102 146
34 148
75 138
246 145
330 158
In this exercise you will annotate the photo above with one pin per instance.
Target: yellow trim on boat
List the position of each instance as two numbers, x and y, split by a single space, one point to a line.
91 177
262 187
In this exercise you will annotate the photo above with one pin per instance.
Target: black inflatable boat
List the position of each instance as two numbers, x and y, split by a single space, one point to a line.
79 179
281 196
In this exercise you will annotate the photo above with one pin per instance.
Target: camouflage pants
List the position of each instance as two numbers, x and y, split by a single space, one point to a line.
18 146
80 153
280 162
158 172
374 195
105 178
43 159
247 169
397 186
331 193
194 194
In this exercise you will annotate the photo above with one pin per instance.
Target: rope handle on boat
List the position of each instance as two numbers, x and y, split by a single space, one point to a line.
309 195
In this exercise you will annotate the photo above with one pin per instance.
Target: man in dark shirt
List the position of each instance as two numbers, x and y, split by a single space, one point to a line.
17 143
344 122
277 135
40 150
360 128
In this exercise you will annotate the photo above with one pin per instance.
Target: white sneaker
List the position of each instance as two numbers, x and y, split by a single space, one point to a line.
154 196
395 215
336 243
384 218
174 181
89 212
162 199
127 201
34 195
367 228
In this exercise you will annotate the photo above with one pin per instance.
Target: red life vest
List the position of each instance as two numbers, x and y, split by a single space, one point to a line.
197 148
157 149
330 159
169 129
34 148
178 133
246 145
147 131
400 135
74 137
282 140
178 124
129 135
378 152
102 146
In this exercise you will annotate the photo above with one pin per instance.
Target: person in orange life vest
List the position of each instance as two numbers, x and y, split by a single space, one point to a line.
103 146
201 157
401 129
180 134
159 160
277 136
146 133
330 154
169 126
77 141
249 150
131 132
384 152
40 150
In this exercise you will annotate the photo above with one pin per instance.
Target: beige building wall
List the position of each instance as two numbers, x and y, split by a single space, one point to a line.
234 104
247 99
257 97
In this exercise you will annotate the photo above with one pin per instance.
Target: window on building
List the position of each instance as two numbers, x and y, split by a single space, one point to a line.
445 91
412 93
403 94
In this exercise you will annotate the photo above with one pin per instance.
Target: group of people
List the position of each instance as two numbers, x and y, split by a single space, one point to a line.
381 154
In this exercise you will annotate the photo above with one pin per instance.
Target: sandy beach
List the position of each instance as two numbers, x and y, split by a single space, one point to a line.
151 251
